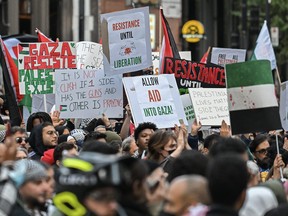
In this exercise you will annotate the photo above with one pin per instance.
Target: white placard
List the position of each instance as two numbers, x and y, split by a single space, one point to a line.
88 94
223 56
126 41
283 109
210 105
188 109
155 99
89 55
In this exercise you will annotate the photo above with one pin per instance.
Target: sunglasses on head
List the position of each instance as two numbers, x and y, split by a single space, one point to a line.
20 140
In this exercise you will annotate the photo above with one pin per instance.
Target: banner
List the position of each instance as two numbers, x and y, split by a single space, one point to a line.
284 105
88 93
126 41
155 99
223 56
156 59
210 105
190 74
89 55
36 64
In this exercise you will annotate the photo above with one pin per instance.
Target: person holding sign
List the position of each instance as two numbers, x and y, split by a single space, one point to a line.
165 146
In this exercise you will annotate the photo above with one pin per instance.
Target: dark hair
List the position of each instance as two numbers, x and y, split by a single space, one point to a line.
16 129
116 145
143 126
43 116
228 178
99 147
211 140
227 145
94 135
257 140
58 151
189 162
157 142
60 129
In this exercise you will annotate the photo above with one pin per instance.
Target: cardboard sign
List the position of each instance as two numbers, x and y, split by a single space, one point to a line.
154 99
36 64
126 41
156 58
194 75
88 93
89 55
210 105
283 109
223 56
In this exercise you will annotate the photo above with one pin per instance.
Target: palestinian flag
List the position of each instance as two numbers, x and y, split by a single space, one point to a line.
205 56
63 108
252 102
42 37
169 47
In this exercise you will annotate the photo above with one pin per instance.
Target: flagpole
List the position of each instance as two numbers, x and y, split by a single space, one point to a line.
160 29
45 102
278 75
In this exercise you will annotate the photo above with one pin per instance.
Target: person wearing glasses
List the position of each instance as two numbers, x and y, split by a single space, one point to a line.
21 137
42 138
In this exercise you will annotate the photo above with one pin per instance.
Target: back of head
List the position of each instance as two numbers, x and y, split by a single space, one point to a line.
189 162
228 178
258 201
98 147
228 145
210 140
277 188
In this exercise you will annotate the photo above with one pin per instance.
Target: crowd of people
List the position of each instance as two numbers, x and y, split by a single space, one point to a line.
52 166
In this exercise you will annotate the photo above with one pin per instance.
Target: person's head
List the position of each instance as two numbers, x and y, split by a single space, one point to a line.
21 136
229 145
186 191
62 130
259 146
66 148
49 135
50 180
228 178
143 133
36 119
254 174
209 141
33 188
161 144
21 153
95 135
117 145
189 162
99 147
129 146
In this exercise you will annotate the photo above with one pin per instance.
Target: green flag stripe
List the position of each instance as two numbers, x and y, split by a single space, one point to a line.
248 73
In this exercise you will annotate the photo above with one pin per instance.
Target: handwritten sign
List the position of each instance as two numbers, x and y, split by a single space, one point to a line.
126 41
223 56
154 99
210 105
156 58
36 64
88 93
89 55
283 109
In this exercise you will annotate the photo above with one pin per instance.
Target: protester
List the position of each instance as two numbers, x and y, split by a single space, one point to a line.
64 149
21 136
21 153
227 181
129 146
142 135
186 194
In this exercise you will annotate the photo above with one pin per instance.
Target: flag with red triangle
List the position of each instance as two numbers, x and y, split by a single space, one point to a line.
42 37
169 47
205 56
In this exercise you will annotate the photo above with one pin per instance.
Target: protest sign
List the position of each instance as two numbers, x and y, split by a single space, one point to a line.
88 93
89 55
223 56
210 105
190 74
156 58
36 64
126 41
154 99
188 109
284 105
